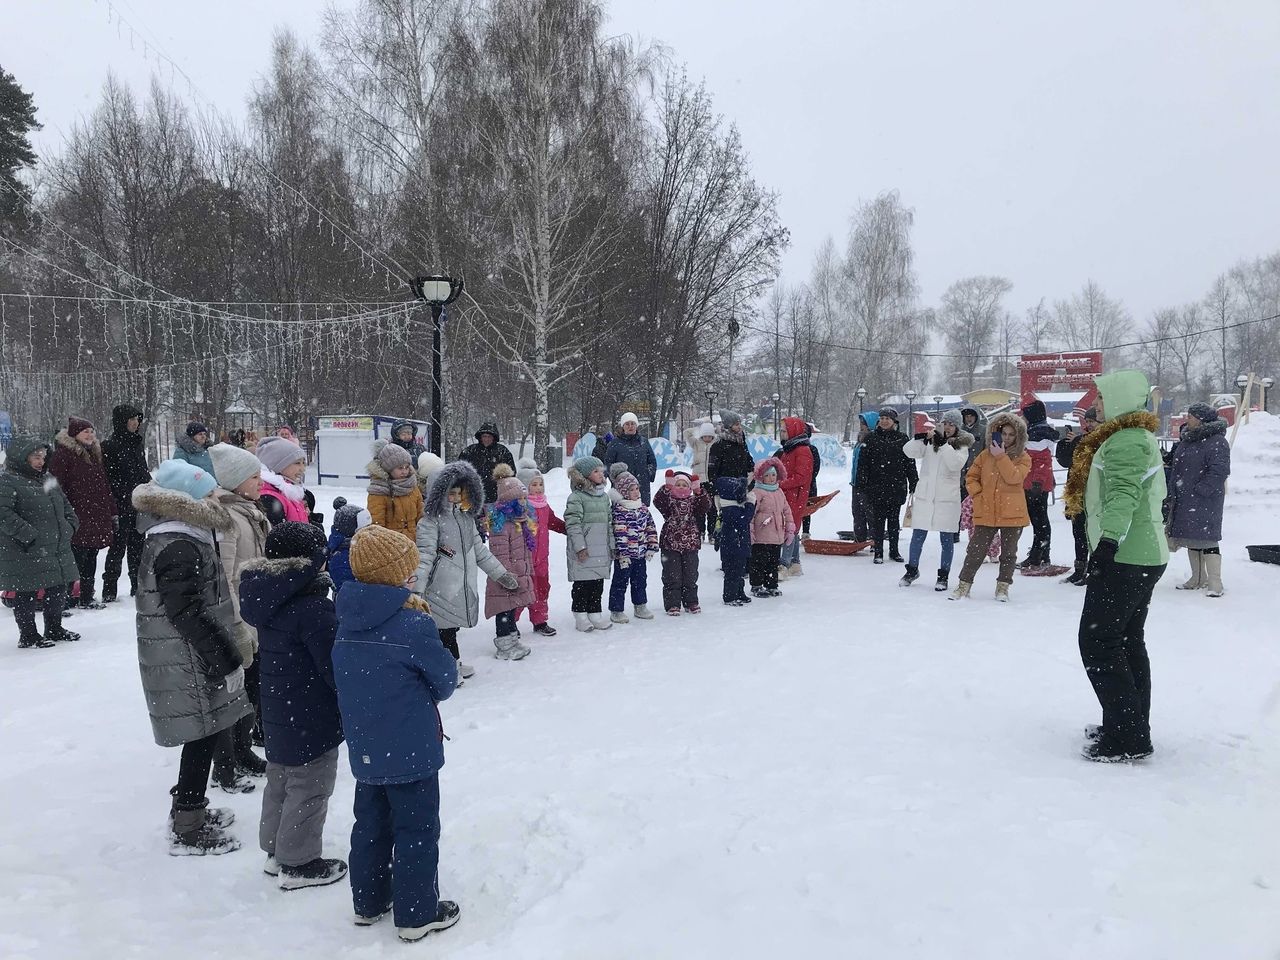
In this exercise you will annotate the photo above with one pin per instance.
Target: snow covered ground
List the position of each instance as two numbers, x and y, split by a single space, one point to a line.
852 770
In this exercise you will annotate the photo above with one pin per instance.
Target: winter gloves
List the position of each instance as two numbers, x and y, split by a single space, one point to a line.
235 680
1103 556
509 581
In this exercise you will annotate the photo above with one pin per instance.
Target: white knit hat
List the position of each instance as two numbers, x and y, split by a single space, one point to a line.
629 418
232 466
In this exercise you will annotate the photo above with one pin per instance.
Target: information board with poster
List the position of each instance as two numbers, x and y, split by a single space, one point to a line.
344 445
1060 372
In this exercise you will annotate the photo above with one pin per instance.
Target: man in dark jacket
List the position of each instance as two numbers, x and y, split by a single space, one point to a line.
1042 440
1066 452
729 456
125 460
485 454
887 475
632 448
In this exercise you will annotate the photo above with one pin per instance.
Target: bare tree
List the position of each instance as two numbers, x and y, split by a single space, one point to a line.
1090 320
1157 351
970 316
1185 347
1222 306
1038 328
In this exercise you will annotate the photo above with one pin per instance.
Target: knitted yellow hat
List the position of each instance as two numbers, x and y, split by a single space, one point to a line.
383 556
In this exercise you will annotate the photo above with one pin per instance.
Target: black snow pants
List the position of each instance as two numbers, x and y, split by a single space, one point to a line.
1114 651
1042 532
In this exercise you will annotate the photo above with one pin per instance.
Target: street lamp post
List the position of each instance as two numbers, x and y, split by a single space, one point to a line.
937 407
1267 384
437 293
861 395
776 399
711 403
1242 381
911 412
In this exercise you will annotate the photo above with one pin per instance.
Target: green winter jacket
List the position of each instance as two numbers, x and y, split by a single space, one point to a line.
36 524
1126 479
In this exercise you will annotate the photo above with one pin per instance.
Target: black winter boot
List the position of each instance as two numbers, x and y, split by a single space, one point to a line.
878 553
910 576
247 762
1079 577
29 638
942 584
193 834
108 592
894 555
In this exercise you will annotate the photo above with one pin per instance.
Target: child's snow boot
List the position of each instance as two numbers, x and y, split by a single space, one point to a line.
910 575
510 648
599 621
61 635
317 873
1002 591
643 612
227 778
783 573
794 570
465 670
673 612
247 762
878 553
961 591
582 622
618 616
943 577
759 593
1079 577
29 638
447 914
544 629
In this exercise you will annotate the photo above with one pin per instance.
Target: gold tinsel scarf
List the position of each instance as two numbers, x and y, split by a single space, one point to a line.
416 602
1087 446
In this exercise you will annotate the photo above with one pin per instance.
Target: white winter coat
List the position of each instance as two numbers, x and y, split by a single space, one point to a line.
936 505
701 448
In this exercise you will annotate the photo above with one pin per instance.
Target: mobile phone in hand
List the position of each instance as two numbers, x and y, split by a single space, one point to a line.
997 439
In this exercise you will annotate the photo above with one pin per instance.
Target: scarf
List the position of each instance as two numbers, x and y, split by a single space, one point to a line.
287 489
388 486
766 486
681 493
1087 446
537 501
629 504
513 511
598 490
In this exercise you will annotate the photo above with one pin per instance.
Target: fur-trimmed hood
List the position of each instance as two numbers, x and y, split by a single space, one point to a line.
457 473
768 462
156 501
92 454
189 445
1085 448
963 440
1203 432
268 585
1019 425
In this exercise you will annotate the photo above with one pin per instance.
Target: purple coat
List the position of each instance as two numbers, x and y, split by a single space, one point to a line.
634 533
1201 465
681 532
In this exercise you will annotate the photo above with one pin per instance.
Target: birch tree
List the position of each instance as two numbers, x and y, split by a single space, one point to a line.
970 316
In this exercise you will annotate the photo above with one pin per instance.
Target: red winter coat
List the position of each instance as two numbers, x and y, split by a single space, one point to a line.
83 478
797 456
509 547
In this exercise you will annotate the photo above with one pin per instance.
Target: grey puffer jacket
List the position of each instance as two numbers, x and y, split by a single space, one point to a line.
450 550
588 525
185 618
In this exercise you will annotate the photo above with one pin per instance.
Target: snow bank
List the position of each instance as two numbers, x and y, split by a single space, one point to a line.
850 770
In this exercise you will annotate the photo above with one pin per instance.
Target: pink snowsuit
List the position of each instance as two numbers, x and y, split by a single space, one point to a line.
547 521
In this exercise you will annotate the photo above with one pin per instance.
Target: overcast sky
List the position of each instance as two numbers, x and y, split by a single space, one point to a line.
1136 143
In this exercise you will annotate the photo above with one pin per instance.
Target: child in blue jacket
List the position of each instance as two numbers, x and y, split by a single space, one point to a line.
347 520
736 511
392 670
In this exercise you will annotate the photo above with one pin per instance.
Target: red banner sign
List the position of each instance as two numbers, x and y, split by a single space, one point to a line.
1050 372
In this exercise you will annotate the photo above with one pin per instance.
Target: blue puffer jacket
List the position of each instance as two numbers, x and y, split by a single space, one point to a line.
635 452
872 420
735 518
339 561
392 670
288 601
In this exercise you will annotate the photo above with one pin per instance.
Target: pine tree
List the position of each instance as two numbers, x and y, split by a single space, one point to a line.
17 120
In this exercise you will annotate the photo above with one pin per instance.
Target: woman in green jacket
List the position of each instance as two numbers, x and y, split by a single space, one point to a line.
1117 477
36 526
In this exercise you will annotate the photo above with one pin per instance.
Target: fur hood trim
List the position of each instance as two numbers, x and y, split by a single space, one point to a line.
457 473
173 505
278 568
998 423
1203 432
1083 452
290 491
189 444
768 462
67 442
579 483
962 440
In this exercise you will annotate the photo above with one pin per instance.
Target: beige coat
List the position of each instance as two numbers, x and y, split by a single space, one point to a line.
247 540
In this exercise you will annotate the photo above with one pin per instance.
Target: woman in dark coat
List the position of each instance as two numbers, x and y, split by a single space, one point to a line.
887 475
1200 465
631 447
78 465
36 528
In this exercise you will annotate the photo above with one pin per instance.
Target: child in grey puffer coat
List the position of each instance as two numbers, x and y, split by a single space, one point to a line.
588 524
450 551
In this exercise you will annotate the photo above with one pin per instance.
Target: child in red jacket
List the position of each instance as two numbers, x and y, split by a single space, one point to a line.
528 473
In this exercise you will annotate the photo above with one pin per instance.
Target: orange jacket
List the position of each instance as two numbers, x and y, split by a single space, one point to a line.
400 514
996 483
